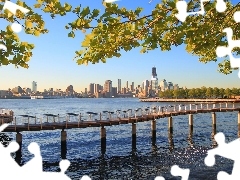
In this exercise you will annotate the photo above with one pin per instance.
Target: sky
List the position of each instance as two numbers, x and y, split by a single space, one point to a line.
52 64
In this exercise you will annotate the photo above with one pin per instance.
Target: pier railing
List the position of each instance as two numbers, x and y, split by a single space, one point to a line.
28 122
109 118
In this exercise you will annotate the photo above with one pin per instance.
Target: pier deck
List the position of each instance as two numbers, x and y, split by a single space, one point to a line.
13 127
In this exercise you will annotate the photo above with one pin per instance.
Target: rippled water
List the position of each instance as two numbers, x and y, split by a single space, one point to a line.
120 162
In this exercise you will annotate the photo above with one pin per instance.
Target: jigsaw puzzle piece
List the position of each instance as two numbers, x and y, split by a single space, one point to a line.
221 6
236 16
182 10
222 51
159 178
85 177
177 171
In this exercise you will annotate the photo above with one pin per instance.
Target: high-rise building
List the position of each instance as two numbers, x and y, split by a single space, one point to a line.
91 88
96 88
119 86
132 87
146 85
163 85
108 88
127 85
154 79
170 86
34 86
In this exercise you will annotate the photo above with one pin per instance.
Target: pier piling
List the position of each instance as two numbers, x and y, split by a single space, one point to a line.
170 125
190 123
134 136
19 151
63 144
154 137
103 140
214 123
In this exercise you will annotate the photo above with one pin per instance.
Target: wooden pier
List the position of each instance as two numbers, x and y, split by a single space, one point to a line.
53 122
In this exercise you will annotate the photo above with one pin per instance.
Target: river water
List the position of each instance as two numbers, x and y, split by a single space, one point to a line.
120 161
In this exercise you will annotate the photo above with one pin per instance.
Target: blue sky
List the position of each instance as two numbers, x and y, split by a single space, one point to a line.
52 65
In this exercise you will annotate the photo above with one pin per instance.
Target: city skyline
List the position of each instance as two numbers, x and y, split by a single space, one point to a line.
52 64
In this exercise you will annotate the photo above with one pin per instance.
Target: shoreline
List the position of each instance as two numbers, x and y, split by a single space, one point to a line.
233 100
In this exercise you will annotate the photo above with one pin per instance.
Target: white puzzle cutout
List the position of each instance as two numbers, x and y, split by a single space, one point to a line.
182 9
15 26
177 171
229 151
222 51
33 168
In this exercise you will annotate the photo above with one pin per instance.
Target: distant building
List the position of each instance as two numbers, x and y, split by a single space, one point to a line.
176 87
34 86
170 86
91 88
114 91
154 80
163 85
146 87
119 86
132 89
108 88
127 85
96 88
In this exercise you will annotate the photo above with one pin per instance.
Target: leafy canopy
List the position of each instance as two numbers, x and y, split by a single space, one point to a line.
108 33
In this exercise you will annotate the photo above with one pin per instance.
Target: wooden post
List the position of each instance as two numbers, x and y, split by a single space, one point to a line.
134 136
19 151
226 104
233 105
214 123
63 144
170 125
190 107
153 126
207 106
201 106
103 140
190 123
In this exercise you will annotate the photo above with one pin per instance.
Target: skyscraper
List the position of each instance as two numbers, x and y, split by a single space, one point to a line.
108 88
119 86
34 86
91 88
154 79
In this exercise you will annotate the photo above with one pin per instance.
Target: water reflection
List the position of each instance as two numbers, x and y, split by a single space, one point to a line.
171 142
190 140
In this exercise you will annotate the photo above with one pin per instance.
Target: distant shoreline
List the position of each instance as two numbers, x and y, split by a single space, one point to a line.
232 100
